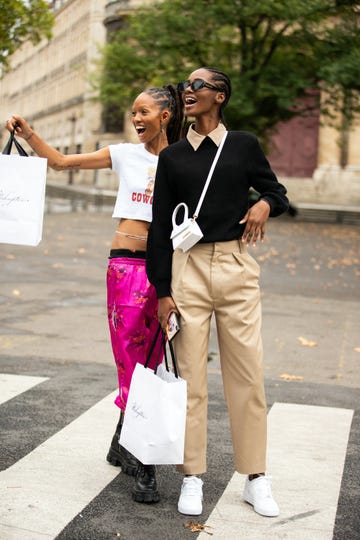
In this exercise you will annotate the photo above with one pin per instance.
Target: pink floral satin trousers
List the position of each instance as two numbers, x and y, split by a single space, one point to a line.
132 315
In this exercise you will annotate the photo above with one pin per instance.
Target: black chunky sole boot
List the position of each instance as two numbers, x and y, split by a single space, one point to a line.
145 488
119 456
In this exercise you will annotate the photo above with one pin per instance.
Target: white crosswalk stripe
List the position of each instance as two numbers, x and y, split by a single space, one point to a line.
13 385
46 489
307 449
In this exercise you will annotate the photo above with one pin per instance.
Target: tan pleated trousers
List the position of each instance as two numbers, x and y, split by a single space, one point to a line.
221 278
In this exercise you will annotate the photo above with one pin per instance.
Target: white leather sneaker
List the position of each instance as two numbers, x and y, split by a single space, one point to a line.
191 496
257 492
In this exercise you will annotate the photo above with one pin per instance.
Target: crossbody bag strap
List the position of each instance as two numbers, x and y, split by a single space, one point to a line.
217 155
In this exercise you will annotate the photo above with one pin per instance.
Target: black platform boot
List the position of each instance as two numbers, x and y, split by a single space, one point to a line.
145 488
119 456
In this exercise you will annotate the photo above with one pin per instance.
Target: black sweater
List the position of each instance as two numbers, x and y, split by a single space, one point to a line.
180 177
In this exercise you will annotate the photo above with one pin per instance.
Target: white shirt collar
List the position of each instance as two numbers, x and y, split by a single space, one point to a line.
195 139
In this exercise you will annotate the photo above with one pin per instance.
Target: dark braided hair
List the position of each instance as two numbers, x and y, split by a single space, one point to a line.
223 82
168 97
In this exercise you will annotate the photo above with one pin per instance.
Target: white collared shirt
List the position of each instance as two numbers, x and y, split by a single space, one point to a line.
195 139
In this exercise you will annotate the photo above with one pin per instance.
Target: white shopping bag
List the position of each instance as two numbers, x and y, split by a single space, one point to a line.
22 199
154 423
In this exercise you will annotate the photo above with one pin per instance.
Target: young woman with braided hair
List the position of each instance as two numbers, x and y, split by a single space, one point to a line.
132 304
216 276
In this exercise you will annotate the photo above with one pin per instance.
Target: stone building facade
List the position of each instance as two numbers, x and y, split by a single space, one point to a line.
49 84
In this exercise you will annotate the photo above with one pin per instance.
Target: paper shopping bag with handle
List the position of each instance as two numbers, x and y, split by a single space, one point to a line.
22 196
155 415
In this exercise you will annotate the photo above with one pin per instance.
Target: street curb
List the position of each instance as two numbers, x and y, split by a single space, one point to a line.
82 197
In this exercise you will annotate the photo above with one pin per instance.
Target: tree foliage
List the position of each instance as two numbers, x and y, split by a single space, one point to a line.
275 53
21 20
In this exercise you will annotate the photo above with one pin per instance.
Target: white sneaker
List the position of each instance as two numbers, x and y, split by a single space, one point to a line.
257 492
191 496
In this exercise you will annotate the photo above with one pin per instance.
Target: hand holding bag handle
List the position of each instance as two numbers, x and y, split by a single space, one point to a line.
163 348
23 185
8 146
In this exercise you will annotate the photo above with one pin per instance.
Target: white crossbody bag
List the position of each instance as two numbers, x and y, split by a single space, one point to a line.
188 233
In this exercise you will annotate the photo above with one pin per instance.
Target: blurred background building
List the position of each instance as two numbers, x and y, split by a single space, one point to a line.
49 84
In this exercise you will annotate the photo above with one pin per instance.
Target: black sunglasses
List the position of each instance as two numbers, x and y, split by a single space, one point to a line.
196 85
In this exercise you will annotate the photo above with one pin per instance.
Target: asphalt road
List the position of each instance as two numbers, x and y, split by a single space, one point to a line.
53 324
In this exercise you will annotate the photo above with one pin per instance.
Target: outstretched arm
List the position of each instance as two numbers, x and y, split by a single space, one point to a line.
60 162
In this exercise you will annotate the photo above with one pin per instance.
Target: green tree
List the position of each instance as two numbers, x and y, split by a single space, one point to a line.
275 52
22 20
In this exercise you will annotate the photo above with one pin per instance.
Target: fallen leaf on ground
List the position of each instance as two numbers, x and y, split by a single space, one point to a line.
357 349
16 292
287 377
345 261
306 342
268 254
197 527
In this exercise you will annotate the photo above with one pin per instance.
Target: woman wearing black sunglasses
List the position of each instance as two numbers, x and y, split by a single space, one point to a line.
218 276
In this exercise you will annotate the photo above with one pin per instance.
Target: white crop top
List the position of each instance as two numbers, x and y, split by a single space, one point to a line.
136 168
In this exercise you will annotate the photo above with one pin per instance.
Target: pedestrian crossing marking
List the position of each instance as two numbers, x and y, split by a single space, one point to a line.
46 489
306 454
12 385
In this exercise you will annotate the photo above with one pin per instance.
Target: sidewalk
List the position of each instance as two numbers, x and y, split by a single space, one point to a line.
54 330
82 197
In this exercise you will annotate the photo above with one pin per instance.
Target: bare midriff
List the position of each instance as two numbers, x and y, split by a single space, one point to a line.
131 234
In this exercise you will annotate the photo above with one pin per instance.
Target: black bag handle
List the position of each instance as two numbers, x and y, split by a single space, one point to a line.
8 146
172 353
164 349
151 350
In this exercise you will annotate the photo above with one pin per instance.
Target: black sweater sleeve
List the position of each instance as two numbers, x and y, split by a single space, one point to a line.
265 182
159 253
180 177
